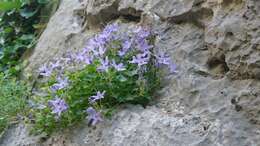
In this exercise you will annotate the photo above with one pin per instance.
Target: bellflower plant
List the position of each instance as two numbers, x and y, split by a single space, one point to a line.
117 66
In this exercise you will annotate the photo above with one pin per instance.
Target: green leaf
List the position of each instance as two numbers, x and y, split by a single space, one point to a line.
25 2
39 26
121 78
8 30
28 13
26 37
131 73
42 1
6 6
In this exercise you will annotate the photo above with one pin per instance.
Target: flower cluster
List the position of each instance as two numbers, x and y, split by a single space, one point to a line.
118 67
57 105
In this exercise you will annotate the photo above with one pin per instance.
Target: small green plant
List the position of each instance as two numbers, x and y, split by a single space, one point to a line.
12 100
116 67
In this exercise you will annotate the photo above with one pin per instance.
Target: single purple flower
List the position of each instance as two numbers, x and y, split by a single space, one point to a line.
114 36
107 34
84 57
118 67
126 45
61 84
104 65
111 28
163 58
101 39
142 33
58 106
79 57
94 117
68 58
98 96
137 29
88 59
122 53
104 37
55 64
86 50
45 70
101 50
95 42
146 54
95 52
140 60
143 45
97 46
92 43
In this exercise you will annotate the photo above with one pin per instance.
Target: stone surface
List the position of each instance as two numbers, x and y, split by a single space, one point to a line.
19 135
214 99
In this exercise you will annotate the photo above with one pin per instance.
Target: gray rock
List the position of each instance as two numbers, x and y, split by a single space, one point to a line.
213 99
19 135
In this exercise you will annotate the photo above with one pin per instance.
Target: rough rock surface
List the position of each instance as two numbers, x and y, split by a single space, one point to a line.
214 99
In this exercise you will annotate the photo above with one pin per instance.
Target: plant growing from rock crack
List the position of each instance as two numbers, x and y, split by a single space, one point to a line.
13 95
117 67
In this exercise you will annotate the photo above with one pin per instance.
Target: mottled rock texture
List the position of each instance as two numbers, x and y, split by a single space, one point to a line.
213 100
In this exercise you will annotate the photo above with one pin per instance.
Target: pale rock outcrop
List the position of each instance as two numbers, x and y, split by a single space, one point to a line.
213 99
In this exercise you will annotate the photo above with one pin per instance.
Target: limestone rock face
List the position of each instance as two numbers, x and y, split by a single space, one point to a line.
213 99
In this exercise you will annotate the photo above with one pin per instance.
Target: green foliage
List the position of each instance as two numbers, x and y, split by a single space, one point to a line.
9 5
19 27
17 31
12 100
